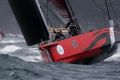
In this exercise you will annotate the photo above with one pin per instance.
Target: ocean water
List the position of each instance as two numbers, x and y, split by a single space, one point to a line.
20 62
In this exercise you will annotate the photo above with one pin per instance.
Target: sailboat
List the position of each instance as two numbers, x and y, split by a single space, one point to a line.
81 47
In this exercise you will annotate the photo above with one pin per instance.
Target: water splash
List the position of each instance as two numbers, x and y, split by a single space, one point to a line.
9 49
116 56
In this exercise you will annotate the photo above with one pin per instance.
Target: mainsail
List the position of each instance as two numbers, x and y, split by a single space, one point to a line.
62 8
65 10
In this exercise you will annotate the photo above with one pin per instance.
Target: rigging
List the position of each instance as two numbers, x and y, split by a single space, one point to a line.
108 10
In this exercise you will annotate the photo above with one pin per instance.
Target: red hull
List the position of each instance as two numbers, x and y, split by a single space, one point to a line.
79 48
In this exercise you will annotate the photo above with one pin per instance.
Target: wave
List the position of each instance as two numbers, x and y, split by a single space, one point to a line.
9 49
24 53
13 68
12 41
116 56
10 38
15 35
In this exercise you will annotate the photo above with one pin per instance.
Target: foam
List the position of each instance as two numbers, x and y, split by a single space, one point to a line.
116 56
10 49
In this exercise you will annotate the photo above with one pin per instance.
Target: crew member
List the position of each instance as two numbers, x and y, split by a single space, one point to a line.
71 28
58 35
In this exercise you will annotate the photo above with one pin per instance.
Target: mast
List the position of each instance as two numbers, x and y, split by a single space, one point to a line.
108 11
72 16
111 22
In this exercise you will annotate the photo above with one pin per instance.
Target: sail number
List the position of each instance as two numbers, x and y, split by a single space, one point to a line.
74 44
